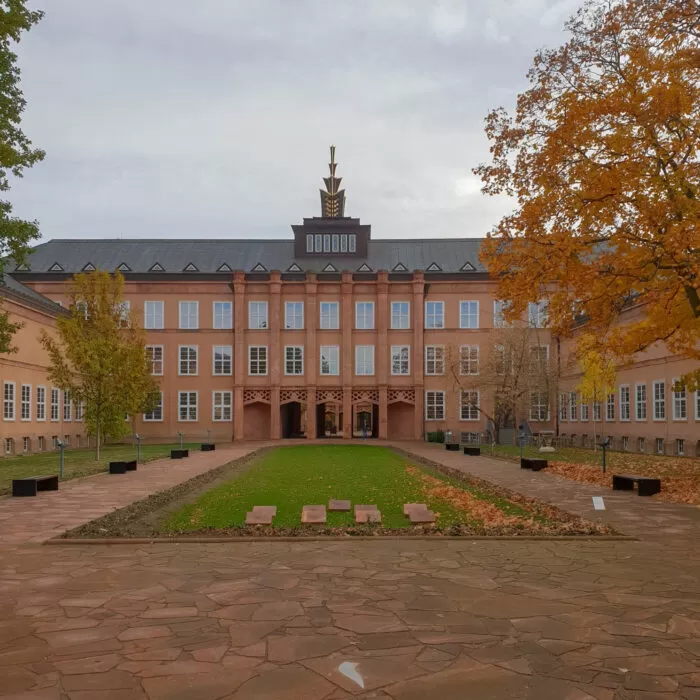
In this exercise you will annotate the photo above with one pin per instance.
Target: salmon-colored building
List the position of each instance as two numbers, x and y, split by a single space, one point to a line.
327 332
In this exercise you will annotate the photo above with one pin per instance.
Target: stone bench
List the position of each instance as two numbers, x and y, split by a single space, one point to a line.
207 447
179 454
452 446
29 485
418 513
646 485
473 451
533 463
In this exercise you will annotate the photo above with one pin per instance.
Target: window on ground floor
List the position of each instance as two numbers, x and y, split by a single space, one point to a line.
435 405
680 447
640 445
539 406
469 405
156 414
222 403
187 404
659 446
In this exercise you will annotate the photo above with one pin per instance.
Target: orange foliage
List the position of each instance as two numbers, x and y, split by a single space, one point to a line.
601 156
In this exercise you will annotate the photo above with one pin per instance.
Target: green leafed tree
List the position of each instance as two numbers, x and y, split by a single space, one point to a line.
99 356
16 150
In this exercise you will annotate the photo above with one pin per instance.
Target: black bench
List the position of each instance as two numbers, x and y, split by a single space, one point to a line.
117 467
473 451
533 463
131 466
453 446
31 484
179 454
646 485
207 447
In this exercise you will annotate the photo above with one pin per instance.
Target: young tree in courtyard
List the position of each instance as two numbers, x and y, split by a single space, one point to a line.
100 356
510 380
16 151
601 156
599 372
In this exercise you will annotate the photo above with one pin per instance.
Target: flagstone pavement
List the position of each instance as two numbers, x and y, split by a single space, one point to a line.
323 620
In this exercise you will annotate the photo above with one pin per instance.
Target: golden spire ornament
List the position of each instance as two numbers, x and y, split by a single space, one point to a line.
333 198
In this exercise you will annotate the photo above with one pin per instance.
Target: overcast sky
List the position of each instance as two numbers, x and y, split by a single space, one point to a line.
212 118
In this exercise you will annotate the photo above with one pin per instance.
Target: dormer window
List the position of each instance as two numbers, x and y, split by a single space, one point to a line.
324 243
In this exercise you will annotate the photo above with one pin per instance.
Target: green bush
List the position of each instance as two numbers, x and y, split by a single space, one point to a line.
437 436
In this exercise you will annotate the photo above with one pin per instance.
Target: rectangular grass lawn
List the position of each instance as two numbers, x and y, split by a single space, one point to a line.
291 477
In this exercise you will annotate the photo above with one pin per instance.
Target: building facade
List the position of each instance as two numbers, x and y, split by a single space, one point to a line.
325 333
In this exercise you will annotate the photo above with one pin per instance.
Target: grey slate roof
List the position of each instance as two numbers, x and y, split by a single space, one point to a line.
450 254
9 283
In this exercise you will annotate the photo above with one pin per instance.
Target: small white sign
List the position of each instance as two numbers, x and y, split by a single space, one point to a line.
598 503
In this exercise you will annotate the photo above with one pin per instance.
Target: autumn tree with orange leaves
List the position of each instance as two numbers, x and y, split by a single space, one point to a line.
601 156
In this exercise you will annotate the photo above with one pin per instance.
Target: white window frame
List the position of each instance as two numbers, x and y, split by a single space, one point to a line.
584 411
610 401
295 320
55 405
218 401
537 314
399 320
539 363
258 315
658 403
434 315
438 352
439 409
597 411
125 314
396 357
640 404
25 404
180 361
147 419
472 408
469 360
332 350
220 320
625 405
67 407
364 315
573 407
155 320
9 404
657 442
352 243
153 361
680 447
223 349
471 316
364 360
563 407
41 403
326 319
536 414
185 320
262 360
697 404
188 406
79 412
679 403
309 243
499 320
293 361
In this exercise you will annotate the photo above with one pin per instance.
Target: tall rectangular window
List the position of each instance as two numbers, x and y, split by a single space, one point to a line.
434 405
659 389
364 315
55 403
329 355
434 314
469 405
610 407
584 412
221 406
153 314
640 402
364 360
499 308
79 410
573 406
189 315
400 315
624 403
469 359
537 314
400 359
309 243
154 355
8 411
67 406
222 312
257 315
25 408
329 315
223 360
294 315
680 409
597 410
539 406
188 359
468 314
343 242
434 359
294 360
318 243
563 407
41 403
697 404
187 406
539 358
257 360
125 314
335 245
326 242
352 243
156 414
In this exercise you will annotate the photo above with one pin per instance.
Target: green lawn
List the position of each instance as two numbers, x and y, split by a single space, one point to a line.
77 462
291 477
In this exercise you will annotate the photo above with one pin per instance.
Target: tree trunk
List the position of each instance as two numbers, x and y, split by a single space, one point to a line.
97 446
595 441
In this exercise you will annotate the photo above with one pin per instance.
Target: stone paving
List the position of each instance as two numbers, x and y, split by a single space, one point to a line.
324 620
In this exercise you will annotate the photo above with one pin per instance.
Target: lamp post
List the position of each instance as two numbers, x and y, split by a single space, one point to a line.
208 437
521 435
62 448
138 447
605 444
180 436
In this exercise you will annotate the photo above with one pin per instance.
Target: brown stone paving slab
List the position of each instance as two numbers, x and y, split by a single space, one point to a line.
253 518
339 506
364 507
283 649
270 510
421 516
368 516
313 514
408 507
288 683
202 686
